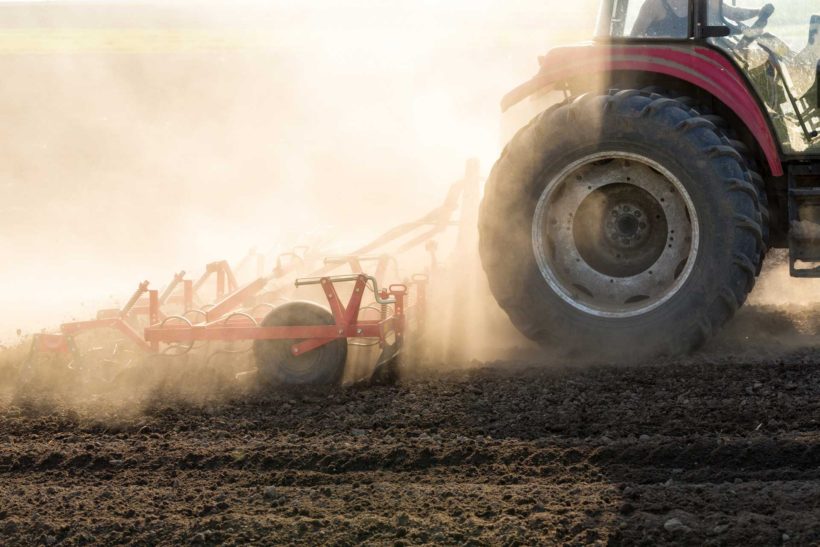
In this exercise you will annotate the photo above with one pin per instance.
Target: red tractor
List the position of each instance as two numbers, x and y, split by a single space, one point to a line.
651 171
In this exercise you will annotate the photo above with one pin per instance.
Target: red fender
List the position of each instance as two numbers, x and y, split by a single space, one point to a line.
700 66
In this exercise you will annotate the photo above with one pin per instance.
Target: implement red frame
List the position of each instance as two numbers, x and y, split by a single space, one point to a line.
346 317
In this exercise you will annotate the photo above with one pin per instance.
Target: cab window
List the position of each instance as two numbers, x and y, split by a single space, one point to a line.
645 19
777 45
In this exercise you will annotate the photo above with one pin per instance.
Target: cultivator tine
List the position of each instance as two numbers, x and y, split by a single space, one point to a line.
464 193
386 370
296 262
142 289
253 255
236 298
166 294
153 307
224 277
420 282
220 284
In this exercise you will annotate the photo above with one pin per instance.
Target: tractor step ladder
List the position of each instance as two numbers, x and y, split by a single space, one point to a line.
804 221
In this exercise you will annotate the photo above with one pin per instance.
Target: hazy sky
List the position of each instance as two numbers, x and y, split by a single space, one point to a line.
141 139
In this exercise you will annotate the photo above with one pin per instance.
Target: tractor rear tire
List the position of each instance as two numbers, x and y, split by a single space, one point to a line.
620 225
276 365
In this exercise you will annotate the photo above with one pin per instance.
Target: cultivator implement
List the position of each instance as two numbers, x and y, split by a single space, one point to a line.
292 341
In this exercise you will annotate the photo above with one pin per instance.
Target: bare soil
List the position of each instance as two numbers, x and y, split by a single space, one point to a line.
716 449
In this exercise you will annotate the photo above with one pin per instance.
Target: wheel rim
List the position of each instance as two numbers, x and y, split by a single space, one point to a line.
615 234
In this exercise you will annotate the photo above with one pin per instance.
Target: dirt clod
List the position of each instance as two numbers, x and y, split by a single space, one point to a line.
674 526
719 529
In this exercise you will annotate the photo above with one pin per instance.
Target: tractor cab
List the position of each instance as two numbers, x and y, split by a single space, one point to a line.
775 45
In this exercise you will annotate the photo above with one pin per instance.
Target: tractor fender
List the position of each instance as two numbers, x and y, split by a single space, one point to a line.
701 66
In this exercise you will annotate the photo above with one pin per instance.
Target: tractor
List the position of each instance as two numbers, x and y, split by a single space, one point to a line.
650 170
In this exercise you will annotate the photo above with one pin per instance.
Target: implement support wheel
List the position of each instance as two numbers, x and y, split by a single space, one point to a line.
276 364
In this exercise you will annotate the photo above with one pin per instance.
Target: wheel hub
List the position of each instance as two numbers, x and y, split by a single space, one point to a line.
626 227
619 229
615 234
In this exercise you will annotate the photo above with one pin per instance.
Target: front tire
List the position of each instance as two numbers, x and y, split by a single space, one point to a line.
622 224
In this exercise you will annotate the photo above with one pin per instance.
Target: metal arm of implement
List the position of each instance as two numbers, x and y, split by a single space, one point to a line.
345 279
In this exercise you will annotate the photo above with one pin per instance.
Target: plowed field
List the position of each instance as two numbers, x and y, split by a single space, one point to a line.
718 448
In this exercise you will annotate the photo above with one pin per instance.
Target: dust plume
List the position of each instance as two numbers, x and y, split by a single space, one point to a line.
154 137
779 319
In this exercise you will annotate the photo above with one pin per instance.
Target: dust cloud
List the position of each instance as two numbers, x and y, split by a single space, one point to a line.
780 317
149 138
146 138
